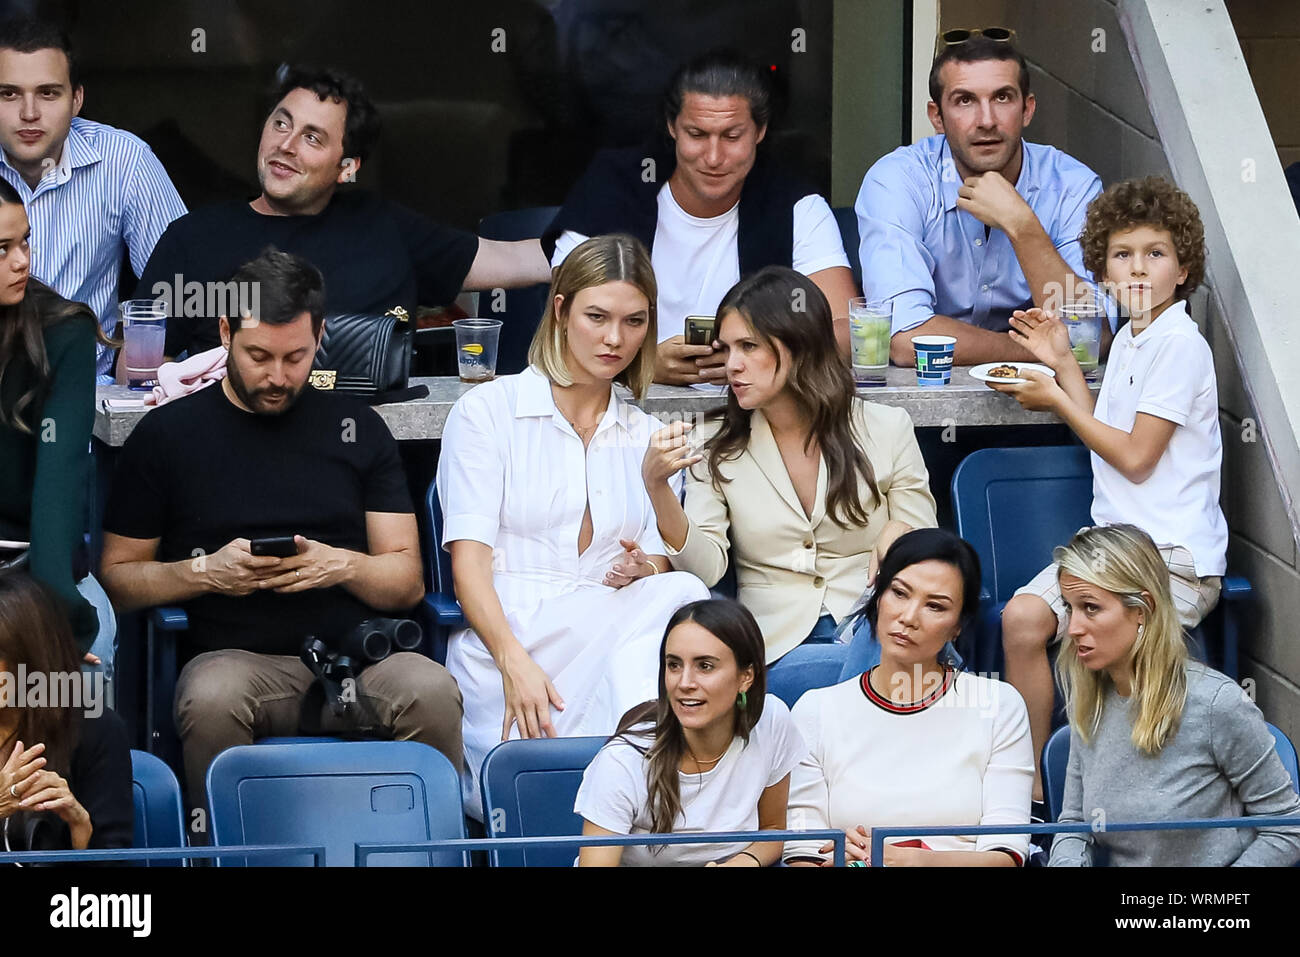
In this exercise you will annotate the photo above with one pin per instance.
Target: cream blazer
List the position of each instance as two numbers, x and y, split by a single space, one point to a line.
788 564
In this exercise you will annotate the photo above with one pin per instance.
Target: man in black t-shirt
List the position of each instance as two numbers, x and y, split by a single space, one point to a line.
373 253
262 454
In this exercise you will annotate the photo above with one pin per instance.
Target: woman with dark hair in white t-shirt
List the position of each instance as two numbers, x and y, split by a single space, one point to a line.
913 741
713 753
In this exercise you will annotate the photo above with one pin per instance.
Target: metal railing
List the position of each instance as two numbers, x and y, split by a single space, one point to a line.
835 837
131 854
879 834
365 851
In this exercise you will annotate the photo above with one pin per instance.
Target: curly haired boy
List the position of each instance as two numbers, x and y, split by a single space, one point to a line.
1153 431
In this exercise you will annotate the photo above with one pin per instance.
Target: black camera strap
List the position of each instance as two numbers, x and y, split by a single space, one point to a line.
339 688
362 721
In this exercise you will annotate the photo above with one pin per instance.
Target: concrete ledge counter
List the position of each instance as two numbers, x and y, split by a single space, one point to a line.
963 402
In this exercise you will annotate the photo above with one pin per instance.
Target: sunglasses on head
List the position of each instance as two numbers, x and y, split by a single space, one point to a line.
952 38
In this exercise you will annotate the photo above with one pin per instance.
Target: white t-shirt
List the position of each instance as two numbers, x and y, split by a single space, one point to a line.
961 757
1166 371
615 795
696 260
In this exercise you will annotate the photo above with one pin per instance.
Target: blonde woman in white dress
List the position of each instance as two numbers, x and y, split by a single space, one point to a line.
557 561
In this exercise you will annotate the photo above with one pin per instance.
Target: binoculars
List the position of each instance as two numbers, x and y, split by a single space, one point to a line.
368 643
375 639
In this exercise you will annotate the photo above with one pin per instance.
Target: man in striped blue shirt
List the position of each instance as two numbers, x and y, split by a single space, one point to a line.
91 190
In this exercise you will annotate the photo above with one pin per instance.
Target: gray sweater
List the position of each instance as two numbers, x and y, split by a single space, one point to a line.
1221 762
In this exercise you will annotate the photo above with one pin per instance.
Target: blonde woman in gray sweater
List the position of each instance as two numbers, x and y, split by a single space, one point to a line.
1154 735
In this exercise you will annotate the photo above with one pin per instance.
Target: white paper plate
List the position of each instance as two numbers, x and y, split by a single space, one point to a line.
981 372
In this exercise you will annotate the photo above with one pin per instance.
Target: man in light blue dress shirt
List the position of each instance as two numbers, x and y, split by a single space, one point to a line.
91 191
962 228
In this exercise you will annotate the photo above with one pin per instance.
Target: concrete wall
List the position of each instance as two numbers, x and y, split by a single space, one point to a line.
1091 103
1269 33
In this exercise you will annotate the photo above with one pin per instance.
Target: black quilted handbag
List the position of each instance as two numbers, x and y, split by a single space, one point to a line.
364 353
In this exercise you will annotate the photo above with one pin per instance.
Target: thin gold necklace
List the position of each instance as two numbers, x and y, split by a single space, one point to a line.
582 430
700 764
574 422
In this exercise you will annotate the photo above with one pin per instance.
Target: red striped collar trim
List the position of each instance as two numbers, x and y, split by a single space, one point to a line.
911 707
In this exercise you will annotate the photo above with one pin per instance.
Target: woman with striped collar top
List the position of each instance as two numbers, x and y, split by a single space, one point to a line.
913 741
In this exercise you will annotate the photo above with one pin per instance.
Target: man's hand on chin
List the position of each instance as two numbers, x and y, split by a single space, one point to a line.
994 202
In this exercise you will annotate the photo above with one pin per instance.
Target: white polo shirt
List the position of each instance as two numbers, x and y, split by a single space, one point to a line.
1166 371
696 260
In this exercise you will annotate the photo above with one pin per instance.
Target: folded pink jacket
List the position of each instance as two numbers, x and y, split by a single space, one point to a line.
176 379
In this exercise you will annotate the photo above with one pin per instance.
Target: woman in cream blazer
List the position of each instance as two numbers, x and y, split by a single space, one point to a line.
810 483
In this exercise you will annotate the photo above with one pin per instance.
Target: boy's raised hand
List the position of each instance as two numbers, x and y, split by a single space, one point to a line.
1043 334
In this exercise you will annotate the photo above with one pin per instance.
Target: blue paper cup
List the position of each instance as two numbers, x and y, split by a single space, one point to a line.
934 359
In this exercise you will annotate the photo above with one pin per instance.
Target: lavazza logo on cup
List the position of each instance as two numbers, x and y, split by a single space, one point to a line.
936 362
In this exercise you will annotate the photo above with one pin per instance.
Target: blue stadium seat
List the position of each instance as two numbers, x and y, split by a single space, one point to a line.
161 626
847 219
336 795
1056 758
1286 751
1222 626
1014 506
156 795
441 611
321 739
522 307
528 790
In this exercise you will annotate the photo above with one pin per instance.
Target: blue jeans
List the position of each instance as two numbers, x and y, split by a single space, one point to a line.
105 646
823 632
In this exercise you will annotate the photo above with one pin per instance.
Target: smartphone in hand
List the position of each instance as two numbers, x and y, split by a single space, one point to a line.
700 329
281 547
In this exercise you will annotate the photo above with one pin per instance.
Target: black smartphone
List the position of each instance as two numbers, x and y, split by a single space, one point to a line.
699 330
281 547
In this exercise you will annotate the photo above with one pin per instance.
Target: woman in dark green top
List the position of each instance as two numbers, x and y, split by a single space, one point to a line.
47 395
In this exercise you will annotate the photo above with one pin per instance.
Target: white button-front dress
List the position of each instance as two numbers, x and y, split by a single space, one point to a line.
513 474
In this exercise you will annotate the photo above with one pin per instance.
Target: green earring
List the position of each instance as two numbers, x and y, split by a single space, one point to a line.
742 700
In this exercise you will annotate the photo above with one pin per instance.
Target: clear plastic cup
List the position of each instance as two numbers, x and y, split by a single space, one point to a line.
476 348
1083 319
870 324
144 334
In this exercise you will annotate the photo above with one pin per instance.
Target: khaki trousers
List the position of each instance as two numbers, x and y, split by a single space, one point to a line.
230 697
